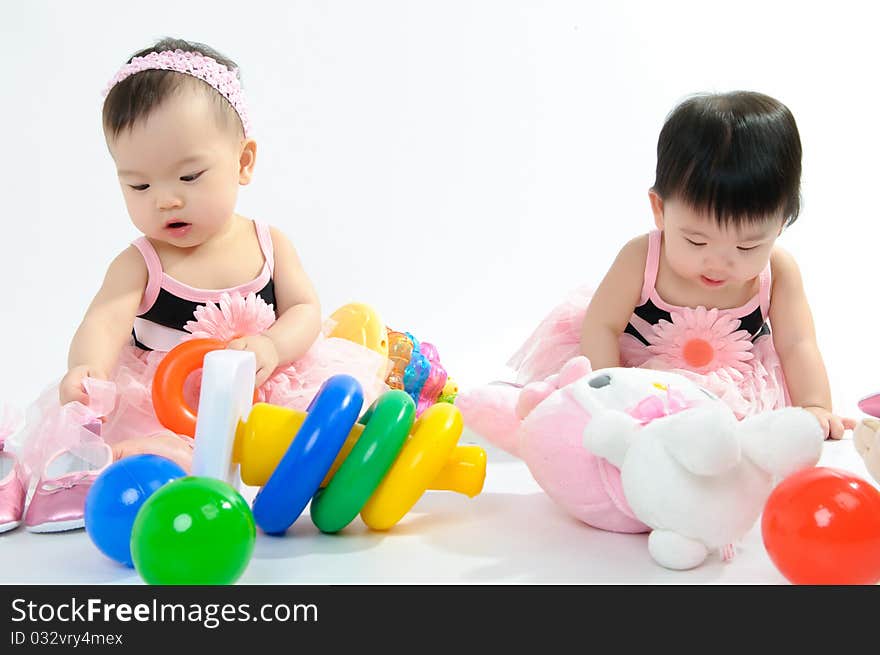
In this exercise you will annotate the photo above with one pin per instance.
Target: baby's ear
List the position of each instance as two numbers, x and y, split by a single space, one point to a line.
247 158
656 208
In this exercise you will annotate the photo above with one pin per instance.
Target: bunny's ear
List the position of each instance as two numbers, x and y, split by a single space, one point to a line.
782 441
871 404
704 440
531 395
573 370
490 411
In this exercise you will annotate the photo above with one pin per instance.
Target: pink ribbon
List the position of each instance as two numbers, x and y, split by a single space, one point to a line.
102 398
654 407
65 482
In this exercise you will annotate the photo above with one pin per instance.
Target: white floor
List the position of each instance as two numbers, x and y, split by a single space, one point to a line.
512 533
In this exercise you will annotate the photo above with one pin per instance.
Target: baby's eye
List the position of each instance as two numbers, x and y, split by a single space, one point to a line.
139 187
694 243
191 178
744 249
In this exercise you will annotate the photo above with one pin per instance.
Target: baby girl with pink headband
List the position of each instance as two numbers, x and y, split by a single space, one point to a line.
177 127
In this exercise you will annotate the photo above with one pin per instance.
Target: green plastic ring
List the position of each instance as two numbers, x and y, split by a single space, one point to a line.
387 423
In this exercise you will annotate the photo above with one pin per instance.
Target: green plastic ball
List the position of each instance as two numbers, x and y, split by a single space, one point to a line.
193 531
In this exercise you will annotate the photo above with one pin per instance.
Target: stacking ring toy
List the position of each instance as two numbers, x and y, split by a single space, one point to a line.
171 408
265 436
388 422
332 413
379 466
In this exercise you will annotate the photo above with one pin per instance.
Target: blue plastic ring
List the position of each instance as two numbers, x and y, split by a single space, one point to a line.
331 415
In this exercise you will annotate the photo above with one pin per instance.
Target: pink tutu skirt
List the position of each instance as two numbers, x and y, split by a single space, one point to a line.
122 409
746 375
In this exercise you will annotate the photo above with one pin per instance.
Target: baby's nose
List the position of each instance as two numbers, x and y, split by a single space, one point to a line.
169 202
718 261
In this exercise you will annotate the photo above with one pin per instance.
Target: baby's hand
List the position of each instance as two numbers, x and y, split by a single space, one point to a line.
832 425
264 349
71 387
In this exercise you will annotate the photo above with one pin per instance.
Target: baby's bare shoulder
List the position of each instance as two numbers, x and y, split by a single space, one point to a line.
633 254
783 264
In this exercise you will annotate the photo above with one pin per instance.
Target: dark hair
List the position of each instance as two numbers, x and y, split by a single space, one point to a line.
734 155
138 95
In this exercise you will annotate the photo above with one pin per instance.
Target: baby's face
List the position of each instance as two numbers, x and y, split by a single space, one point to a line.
179 170
700 250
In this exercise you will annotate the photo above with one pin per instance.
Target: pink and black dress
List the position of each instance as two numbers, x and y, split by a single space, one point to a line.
171 312
727 351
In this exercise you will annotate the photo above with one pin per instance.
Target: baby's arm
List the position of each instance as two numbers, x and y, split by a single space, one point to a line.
612 305
106 326
794 337
298 310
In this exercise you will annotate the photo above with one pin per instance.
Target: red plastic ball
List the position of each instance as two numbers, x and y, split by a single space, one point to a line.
822 526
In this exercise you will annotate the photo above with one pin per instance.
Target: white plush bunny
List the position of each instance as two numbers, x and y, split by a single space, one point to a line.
690 471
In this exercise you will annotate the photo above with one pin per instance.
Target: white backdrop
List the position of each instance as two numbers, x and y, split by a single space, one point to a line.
459 165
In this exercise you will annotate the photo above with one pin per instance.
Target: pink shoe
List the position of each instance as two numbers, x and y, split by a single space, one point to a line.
12 491
59 500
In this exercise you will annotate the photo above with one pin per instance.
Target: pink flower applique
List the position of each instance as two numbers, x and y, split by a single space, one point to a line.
701 340
232 317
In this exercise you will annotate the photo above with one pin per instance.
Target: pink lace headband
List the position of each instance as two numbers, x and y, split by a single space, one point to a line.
209 70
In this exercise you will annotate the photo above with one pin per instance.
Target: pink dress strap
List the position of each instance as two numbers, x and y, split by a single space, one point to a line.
158 279
764 291
266 245
154 273
652 265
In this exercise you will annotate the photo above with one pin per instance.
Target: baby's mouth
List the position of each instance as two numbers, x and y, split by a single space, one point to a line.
175 224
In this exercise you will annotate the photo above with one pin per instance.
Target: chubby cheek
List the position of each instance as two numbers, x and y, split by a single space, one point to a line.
140 213
213 204
752 269
684 263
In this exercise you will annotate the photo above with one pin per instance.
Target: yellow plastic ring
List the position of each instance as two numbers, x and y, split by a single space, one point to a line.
422 458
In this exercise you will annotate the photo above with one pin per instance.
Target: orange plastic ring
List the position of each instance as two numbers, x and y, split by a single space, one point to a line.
168 401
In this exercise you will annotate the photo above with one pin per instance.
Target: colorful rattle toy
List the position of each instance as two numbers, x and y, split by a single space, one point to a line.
450 391
400 350
435 381
418 371
416 366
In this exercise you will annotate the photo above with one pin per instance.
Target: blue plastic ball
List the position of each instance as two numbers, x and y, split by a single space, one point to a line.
116 496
